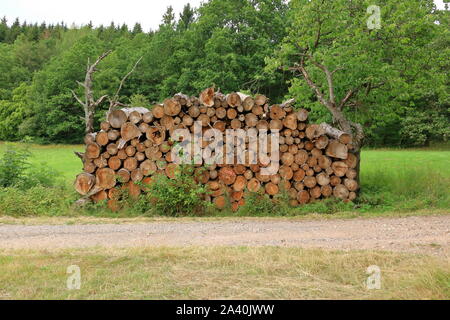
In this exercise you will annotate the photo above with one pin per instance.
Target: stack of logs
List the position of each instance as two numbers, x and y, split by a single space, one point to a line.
134 144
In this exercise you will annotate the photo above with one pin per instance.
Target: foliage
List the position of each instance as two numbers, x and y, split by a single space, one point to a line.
38 200
17 171
178 196
13 164
400 70
397 72
257 204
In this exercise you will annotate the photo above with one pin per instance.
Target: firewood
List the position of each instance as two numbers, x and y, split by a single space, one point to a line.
133 189
158 111
129 131
148 117
171 107
89 166
351 161
326 190
247 102
299 175
271 189
227 175
340 191
337 134
92 151
220 202
122 154
231 114
276 112
323 179
130 151
237 195
117 118
335 180
233 99
114 163
350 184
253 185
100 162
136 175
105 178
123 175
301 157
286 172
339 168
207 97
275 124
302 115
351 174
290 121
134 117
310 181
113 135
156 135
336 149
104 125
315 192
303 197
321 142
100 196
260 99
130 163
324 162
240 183
148 167
84 183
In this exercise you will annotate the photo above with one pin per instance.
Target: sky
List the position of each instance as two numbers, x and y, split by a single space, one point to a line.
147 12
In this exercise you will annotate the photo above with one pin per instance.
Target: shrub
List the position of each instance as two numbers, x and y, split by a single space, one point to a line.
13 165
178 196
35 201
257 204
17 171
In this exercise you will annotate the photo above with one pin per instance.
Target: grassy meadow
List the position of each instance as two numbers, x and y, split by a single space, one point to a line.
220 273
393 180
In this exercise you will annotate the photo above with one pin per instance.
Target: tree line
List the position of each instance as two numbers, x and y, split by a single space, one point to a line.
393 79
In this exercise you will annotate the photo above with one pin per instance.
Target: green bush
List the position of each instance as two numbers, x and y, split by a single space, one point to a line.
257 204
16 170
13 165
35 201
178 196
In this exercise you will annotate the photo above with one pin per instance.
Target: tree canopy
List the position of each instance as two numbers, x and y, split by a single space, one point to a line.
398 74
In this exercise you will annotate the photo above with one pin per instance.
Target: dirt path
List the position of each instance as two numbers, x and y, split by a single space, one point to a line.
429 235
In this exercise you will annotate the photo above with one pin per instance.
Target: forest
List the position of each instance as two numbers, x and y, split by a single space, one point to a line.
394 78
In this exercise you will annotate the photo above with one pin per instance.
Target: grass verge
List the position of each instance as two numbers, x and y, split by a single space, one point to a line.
221 273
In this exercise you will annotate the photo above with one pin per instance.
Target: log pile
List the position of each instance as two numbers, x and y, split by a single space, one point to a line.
316 161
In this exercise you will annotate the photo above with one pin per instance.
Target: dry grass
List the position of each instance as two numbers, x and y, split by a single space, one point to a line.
221 273
62 220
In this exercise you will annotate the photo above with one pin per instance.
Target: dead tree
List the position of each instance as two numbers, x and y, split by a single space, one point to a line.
90 104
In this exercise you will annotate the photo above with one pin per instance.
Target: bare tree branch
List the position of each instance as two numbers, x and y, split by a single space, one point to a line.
116 96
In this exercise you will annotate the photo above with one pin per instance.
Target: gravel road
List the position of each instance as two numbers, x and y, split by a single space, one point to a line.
429 235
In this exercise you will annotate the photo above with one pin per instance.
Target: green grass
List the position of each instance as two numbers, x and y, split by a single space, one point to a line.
59 157
393 181
221 273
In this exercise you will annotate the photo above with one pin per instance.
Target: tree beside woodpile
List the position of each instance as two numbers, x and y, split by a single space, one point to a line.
134 144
